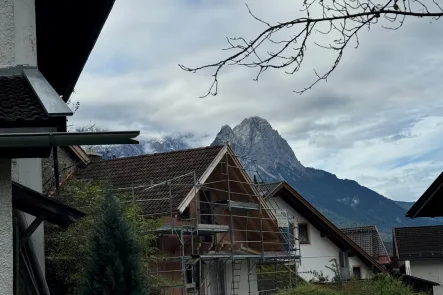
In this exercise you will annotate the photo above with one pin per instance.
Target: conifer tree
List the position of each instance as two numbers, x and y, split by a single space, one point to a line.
115 266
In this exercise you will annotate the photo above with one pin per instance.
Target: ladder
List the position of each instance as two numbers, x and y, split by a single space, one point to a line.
236 271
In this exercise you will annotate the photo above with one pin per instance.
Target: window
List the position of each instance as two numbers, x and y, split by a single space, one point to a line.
356 270
303 233
189 275
185 214
206 212
193 273
291 235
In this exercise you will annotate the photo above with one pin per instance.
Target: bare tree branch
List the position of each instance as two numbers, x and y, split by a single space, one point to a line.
344 18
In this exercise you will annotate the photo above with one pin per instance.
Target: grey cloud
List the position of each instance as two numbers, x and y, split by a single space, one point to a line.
379 92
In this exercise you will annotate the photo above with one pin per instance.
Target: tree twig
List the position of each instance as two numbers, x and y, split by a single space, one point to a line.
345 17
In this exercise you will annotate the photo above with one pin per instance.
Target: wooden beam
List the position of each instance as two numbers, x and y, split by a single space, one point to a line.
30 230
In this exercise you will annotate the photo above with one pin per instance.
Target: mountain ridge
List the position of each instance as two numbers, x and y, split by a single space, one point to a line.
344 201
262 149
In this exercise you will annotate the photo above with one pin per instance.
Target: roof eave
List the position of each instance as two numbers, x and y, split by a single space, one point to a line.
74 25
202 179
35 203
427 196
338 234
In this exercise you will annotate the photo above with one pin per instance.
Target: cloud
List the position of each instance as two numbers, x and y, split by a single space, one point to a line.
375 120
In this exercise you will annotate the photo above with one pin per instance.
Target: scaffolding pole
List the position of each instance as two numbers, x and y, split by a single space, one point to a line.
262 258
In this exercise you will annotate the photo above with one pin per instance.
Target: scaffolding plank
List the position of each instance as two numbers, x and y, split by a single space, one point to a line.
240 205
209 229
200 229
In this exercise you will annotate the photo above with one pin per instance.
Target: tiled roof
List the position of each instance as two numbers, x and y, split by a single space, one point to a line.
369 239
177 166
416 242
267 188
18 102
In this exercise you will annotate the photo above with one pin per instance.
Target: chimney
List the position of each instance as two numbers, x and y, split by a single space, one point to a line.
255 179
18 33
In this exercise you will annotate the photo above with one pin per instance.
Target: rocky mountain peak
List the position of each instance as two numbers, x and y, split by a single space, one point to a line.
259 123
225 136
254 138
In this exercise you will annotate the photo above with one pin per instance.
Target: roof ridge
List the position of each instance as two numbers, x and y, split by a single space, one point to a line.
358 227
422 226
169 152
272 182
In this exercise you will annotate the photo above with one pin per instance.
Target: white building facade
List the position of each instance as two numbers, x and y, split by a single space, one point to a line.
324 250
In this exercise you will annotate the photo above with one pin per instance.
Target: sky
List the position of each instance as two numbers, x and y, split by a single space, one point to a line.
377 120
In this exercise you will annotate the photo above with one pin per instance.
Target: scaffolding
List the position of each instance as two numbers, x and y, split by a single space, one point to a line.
226 240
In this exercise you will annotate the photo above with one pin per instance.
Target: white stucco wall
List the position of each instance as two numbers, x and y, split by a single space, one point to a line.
214 277
6 242
431 269
247 280
25 33
7 37
316 255
17 33
17 47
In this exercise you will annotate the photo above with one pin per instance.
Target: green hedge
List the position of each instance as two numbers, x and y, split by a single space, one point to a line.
379 285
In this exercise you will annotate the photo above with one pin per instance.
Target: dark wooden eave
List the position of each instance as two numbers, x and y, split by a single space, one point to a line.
430 204
36 204
66 34
417 284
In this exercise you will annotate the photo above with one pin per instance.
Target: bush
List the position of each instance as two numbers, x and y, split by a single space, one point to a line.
387 285
115 261
67 249
310 289
379 285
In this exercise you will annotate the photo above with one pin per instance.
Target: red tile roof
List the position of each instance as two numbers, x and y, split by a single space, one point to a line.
132 172
369 239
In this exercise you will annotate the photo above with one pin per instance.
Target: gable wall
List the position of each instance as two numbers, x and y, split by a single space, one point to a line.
246 227
430 269
316 255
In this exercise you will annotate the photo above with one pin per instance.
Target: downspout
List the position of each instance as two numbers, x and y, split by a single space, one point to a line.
56 169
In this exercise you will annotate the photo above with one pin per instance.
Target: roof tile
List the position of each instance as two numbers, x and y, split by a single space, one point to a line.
369 239
267 188
18 101
420 241
133 172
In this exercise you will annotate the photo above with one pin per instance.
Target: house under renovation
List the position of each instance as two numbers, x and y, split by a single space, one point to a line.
217 236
